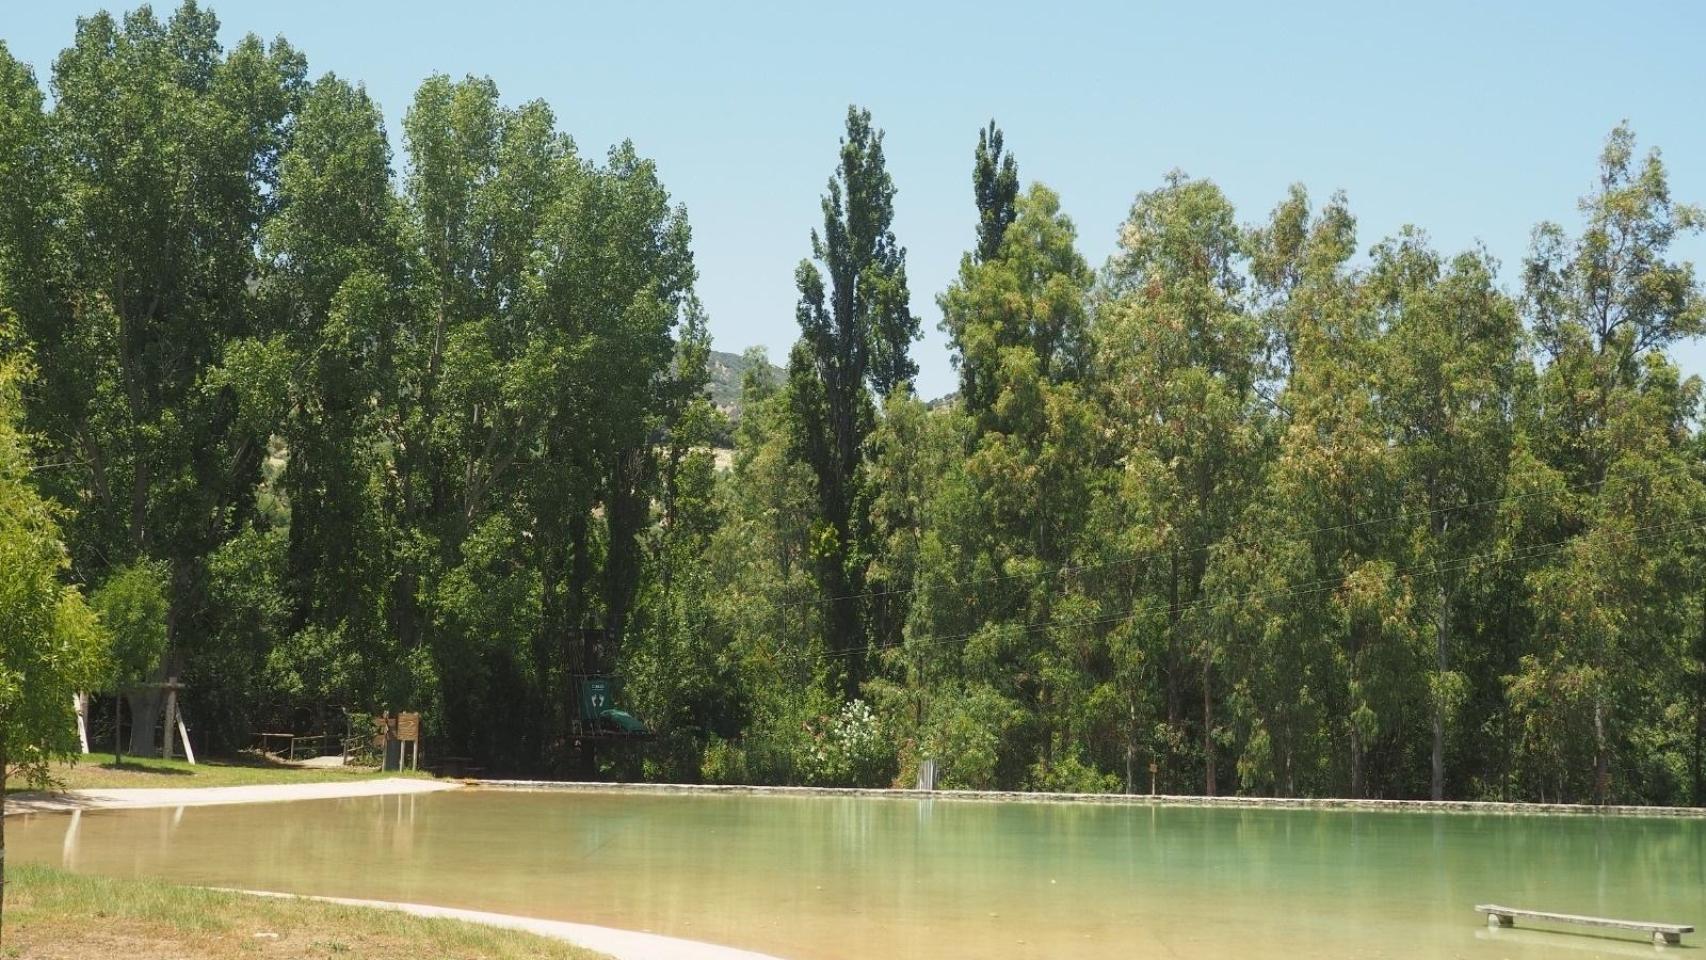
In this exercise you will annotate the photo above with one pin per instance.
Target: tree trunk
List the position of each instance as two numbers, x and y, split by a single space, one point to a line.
1601 771
118 729
1207 727
1356 762
1700 709
1442 630
1290 759
144 714
1130 758
1699 748
1174 665
3 761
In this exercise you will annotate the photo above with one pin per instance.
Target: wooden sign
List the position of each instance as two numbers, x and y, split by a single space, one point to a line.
408 727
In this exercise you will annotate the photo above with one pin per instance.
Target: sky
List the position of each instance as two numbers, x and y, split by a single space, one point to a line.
1474 121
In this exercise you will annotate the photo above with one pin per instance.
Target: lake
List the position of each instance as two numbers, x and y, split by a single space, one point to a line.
838 878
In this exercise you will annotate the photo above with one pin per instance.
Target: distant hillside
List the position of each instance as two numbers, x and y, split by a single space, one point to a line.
727 371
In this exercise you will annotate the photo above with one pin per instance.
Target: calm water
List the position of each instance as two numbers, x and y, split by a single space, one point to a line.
827 878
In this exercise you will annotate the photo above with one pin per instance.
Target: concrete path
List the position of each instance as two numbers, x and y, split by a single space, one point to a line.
123 799
621 944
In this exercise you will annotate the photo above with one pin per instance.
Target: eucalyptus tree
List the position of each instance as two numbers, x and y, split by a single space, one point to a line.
763 595
1301 588
1612 437
1178 356
1013 513
1447 375
856 328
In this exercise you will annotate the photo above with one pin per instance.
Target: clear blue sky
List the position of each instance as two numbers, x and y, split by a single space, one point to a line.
1471 122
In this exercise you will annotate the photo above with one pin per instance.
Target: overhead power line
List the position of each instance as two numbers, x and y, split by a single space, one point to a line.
1305 535
1287 594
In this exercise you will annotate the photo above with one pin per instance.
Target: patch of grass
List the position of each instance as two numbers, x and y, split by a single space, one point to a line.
55 915
95 771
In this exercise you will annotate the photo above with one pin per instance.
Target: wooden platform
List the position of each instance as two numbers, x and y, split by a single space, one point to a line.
1666 933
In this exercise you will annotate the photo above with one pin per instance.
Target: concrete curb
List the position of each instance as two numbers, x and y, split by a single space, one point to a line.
620 944
1115 799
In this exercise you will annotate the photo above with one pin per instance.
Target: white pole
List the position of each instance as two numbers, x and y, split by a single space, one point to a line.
184 734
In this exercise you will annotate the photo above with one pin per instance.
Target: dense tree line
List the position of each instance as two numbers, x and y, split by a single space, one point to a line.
1252 508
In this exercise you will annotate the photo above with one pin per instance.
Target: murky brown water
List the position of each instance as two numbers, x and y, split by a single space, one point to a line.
830 878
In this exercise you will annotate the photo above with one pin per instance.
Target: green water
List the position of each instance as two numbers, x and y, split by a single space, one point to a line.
822 878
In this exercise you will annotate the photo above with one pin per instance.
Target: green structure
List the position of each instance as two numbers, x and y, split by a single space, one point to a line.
598 714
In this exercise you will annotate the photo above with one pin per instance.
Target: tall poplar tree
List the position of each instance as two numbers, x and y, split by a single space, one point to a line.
995 185
166 156
856 330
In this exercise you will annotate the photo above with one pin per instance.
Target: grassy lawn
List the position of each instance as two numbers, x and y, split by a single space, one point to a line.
54 915
97 770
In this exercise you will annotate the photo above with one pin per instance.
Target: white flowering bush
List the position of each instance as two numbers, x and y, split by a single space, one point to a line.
848 749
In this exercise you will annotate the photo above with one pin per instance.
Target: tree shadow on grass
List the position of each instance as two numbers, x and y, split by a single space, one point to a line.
130 766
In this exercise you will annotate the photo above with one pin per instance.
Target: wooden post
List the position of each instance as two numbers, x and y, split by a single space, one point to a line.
409 741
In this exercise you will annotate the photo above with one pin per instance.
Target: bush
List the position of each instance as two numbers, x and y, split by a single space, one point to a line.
724 762
849 750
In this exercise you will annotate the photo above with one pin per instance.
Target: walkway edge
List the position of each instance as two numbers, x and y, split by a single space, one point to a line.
1113 799
620 944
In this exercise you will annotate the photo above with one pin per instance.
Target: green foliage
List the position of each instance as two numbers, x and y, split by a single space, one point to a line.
995 185
848 749
1253 507
132 607
51 644
855 335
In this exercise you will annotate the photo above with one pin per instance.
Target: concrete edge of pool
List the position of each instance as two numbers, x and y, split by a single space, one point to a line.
1121 799
620 944
134 798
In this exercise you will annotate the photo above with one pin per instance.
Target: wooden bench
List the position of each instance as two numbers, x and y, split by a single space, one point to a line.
1665 933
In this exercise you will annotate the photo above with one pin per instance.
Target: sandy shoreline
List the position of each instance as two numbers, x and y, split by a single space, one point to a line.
620 944
143 797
